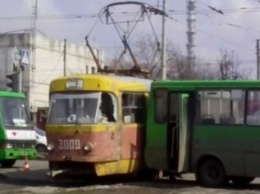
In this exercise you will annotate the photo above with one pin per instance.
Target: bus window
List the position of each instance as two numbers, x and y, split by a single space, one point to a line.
253 108
221 107
14 112
160 106
133 108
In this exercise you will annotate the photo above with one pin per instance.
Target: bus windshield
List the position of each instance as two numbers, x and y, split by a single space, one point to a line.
14 112
74 108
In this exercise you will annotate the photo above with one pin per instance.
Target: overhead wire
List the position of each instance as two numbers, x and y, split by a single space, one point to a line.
122 14
230 24
217 37
178 12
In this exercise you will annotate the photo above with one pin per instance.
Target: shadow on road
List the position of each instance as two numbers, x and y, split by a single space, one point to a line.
179 184
252 186
40 178
31 178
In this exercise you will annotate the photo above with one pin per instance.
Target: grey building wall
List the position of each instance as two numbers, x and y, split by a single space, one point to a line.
48 64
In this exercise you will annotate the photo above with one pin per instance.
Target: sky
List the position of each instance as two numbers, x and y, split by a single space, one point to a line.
236 30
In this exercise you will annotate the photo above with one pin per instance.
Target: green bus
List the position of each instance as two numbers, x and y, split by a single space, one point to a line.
209 128
17 134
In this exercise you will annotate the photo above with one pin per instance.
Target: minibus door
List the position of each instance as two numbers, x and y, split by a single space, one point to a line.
173 130
184 134
177 132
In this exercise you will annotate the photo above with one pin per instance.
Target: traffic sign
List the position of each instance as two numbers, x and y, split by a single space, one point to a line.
25 57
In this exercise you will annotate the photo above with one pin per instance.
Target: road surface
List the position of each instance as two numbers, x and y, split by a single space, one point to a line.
36 181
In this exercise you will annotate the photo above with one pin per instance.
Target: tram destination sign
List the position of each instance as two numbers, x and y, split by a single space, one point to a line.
74 84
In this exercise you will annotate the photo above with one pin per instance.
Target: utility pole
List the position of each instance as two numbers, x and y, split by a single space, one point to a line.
163 55
33 51
33 44
19 71
257 60
64 57
20 80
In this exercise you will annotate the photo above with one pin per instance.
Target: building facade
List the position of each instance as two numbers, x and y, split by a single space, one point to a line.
46 62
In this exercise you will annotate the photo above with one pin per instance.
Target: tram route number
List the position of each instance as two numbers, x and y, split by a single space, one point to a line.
69 144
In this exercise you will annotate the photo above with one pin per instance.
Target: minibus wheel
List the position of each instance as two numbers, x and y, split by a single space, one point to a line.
211 173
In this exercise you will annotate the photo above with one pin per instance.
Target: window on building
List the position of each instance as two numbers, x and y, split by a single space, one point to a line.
224 107
161 106
133 108
253 108
93 70
87 70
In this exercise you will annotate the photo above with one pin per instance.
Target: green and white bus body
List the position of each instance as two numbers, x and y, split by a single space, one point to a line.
17 134
205 127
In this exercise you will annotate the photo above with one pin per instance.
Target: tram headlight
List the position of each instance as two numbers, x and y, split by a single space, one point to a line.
87 147
50 147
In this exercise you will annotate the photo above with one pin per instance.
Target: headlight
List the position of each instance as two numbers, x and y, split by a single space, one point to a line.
50 147
8 146
87 147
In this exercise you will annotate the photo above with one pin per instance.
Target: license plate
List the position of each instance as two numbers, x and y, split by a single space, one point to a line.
24 153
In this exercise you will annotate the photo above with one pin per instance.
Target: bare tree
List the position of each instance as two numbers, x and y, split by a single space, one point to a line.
148 55
230 67
177 64
205 71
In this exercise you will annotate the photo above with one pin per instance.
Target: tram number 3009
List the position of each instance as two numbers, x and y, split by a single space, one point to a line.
69 144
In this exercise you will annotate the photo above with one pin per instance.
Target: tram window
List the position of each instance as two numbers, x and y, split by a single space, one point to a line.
61 111
253 108
108 107
160 106
133 108
74 108
224 107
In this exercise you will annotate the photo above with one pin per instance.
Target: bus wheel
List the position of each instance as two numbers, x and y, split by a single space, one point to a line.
7 163
211 173
242 181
